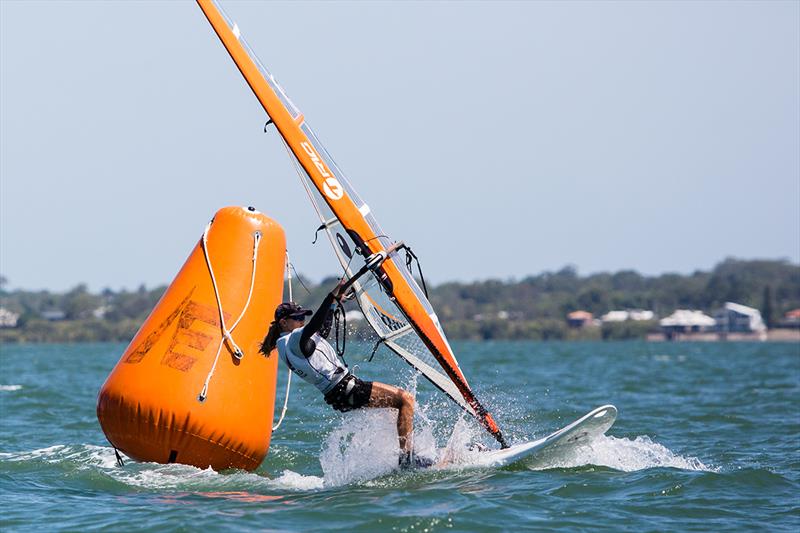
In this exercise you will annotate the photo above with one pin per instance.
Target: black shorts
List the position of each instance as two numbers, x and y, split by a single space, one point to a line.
350 393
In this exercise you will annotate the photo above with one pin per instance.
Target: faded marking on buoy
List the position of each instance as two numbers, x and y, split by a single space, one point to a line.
144 347
187 335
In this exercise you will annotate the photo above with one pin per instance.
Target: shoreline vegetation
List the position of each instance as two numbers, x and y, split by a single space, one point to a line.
534 308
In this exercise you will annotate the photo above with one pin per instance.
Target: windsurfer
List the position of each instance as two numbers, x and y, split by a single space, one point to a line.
305 350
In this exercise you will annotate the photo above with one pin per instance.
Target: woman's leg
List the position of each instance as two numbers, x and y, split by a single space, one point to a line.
384 395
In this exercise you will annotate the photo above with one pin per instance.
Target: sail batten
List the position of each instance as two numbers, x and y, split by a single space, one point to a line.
391 300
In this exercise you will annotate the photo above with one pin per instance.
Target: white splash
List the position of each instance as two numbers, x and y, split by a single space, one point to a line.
49 454
458 450
627 455
424 439
9 388
170 477
91 456
166 477
295 481
186 477
363 447
622 454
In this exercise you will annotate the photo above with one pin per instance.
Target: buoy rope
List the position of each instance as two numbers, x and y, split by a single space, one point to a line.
227 334
289 375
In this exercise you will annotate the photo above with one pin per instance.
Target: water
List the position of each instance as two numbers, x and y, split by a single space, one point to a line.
708 438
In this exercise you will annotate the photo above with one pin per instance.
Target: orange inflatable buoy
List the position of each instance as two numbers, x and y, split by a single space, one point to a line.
192 387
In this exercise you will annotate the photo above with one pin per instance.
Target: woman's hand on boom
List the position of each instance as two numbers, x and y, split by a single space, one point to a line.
339 291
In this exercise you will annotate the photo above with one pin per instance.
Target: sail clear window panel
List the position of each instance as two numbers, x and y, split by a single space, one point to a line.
414 344
411 348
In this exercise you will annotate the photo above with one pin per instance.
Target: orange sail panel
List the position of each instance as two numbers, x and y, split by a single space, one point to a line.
393 303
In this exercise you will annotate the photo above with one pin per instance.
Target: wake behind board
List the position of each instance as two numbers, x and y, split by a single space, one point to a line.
580 432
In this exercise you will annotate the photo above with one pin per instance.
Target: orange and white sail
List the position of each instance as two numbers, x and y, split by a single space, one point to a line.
392 301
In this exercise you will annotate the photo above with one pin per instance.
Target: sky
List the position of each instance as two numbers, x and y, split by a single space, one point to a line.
498 139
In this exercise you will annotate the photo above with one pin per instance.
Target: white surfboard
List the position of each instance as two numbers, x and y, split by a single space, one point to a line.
578 433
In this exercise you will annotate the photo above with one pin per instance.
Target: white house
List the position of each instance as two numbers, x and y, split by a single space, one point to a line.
615 316
686 321
641 314
737 318
7 318
628 314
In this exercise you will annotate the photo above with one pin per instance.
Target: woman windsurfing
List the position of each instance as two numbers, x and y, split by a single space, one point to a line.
307 353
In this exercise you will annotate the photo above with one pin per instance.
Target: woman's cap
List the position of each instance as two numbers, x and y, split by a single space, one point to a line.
290 310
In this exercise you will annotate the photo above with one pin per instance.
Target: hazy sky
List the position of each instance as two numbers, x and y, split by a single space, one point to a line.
498 139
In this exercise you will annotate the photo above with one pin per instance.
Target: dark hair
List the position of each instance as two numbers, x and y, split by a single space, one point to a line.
271 340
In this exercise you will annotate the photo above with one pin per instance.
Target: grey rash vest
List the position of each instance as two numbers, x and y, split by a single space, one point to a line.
306 352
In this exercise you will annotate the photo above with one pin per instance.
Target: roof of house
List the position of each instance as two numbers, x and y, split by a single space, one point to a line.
687 317
641 314
615 316
742 309
628 314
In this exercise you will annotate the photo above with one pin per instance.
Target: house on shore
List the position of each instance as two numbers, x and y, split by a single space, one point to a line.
686 323
580 319
8 319
740 321
627 314
791 319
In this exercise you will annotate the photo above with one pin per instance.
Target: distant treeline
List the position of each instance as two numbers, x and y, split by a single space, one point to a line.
537 305
532 308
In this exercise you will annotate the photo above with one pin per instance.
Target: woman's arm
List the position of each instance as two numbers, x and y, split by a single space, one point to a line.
318 322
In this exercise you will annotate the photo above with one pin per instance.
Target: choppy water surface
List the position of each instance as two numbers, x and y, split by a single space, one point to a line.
708 438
